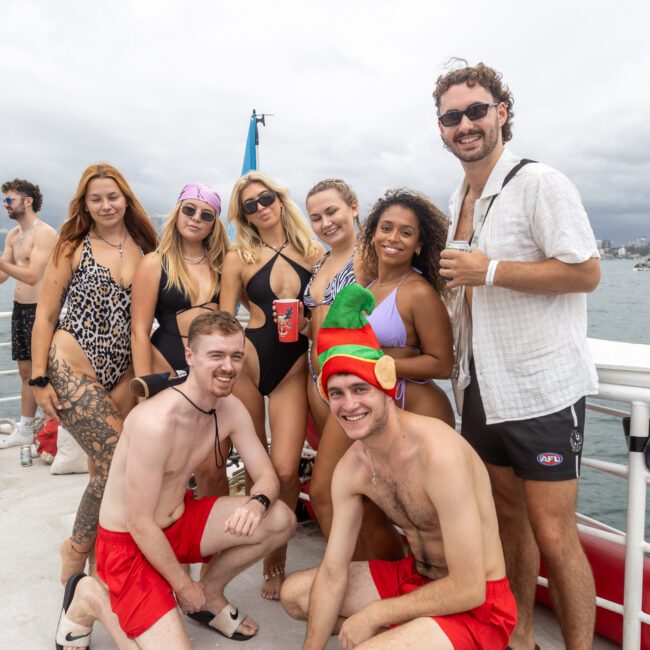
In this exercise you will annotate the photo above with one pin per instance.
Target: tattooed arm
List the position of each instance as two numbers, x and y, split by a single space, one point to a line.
50 302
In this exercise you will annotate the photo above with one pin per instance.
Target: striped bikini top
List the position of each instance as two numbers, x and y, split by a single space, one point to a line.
342 279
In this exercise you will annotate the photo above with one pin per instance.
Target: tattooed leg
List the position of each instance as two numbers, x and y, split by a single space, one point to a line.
93 420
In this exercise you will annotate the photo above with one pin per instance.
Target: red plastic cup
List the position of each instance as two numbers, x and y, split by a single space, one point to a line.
287 317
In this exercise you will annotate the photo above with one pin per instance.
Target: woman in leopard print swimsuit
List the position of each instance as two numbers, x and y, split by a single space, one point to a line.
85 360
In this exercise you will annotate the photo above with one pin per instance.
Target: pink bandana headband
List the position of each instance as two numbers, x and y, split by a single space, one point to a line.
202 193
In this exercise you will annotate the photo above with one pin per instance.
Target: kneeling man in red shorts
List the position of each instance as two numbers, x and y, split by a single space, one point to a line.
150 525
451 592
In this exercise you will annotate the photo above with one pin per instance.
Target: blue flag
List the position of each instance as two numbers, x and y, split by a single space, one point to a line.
250 155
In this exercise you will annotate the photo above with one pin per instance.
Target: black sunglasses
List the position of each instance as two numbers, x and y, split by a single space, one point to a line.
473 112
205 215
264 199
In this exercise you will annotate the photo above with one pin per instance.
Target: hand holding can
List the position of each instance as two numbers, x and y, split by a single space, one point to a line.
287 318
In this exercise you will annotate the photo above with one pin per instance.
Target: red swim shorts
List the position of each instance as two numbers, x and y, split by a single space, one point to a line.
139 594
487 627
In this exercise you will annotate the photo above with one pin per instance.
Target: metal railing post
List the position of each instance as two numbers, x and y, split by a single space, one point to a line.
635 539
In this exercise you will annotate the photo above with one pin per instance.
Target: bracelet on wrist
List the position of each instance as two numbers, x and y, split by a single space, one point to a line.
263 499
41 381
491 270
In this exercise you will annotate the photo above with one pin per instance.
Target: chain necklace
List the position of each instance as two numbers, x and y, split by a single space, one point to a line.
273 248
196 260
23 233
119 245
386 284
374 480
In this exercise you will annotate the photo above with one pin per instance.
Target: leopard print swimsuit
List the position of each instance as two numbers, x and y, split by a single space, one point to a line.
99 318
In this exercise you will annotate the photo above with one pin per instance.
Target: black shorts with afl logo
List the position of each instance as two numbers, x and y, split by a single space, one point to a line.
22 323
546 448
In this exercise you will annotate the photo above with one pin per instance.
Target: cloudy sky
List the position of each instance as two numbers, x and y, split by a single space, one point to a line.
163 90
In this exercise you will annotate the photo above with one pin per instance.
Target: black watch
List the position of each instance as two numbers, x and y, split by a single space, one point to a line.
263 499
41 382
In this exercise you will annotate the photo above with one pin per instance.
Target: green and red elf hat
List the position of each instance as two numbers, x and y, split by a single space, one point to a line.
347 344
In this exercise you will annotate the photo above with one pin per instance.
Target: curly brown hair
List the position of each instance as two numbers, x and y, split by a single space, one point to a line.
432 223
482 75
25 188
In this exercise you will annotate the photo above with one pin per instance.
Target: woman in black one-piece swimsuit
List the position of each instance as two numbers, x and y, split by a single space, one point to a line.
175 284
273 256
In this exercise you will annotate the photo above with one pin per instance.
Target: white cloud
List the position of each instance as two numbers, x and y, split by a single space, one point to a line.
164 90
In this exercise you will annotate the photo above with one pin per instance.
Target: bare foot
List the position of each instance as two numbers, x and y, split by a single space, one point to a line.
273 579
72 560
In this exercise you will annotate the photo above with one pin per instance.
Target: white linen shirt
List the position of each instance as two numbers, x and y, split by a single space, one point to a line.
530 350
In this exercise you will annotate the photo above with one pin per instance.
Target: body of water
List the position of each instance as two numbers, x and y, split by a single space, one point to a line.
619 310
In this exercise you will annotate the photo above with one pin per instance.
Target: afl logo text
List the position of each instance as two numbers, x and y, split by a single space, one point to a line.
549 458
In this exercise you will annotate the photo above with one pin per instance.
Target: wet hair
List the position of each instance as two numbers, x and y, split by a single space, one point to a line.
344 191
79 222
484 76
432 223
205 324
247 238
171 253
26 189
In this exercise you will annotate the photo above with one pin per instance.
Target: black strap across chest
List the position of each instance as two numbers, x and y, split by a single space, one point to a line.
213 413
511 174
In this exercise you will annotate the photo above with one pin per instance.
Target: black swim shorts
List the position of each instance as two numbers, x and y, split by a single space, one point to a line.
546 448
22 322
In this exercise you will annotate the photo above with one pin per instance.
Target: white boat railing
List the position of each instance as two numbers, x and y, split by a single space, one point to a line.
624 376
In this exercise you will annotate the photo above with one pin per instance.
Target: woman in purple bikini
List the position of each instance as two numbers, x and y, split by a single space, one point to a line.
400 247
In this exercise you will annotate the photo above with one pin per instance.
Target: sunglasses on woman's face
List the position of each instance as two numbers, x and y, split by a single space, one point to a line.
204 215
473 112
264 199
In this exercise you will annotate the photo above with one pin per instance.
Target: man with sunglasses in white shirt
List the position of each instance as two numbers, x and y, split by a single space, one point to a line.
520 326
27 249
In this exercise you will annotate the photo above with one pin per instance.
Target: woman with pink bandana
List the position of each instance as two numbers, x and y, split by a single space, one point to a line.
174 284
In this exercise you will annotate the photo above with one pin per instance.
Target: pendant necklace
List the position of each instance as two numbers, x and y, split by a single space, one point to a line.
119 245
374 480
23 233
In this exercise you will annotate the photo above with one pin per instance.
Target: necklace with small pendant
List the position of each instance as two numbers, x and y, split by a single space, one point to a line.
119 245
23 233
374 479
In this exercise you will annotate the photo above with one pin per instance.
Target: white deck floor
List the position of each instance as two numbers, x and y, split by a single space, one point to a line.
36 512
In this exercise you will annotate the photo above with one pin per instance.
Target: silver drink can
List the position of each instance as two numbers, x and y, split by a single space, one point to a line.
457 245
26 455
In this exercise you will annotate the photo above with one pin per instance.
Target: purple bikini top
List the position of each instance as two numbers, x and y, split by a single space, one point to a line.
386 321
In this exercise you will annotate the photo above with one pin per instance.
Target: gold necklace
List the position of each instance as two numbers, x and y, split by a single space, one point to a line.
386 284
374 479
119 245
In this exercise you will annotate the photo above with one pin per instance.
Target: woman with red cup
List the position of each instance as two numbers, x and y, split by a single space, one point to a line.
174 284
272 258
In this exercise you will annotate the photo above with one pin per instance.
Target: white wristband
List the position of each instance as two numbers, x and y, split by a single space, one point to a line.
491 270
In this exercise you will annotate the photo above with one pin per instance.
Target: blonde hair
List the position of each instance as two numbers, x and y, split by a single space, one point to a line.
79 222
171 253
347 194
247 238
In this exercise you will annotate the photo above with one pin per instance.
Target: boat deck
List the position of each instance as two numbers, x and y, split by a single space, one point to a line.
37 511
